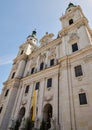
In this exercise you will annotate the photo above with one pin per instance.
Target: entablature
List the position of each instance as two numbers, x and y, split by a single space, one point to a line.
12 82
42 74
45 48
83 53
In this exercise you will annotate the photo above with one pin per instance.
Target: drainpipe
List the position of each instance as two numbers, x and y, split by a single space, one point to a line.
58 92
71 100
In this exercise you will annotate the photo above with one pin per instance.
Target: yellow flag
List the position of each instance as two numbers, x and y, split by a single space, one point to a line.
34 104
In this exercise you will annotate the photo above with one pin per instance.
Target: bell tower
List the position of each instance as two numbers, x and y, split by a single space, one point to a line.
11 86
75 32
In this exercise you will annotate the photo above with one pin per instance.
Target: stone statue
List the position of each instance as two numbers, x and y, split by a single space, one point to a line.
23 124
37 123
12 124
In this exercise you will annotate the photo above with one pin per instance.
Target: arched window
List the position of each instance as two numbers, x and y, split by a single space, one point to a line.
13 75
1 109
7 91
41 66
20 117
47 115
70 21
21 52
32 70
27 89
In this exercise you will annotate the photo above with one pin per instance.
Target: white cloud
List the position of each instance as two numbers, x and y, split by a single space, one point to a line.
6 59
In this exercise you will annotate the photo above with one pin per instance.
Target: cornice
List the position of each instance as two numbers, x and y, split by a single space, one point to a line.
78 24
76 54
42 73
67 14
20 57
11 82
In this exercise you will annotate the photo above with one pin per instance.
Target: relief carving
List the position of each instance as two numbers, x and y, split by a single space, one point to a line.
48 97
73 36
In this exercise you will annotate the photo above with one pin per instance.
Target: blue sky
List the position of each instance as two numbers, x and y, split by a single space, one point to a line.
18 18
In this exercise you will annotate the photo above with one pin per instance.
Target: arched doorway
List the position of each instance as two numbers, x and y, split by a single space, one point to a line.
20 117
47 115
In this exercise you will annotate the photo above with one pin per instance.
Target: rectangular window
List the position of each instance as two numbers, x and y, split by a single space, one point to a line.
74 47
78 71
49 82
82 99
37 86
51 62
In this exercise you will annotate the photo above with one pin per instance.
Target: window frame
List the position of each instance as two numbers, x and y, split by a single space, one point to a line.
78 71
83 99
49 83
71 21
1 108
37 85
52 62
22 51
13 75
42 66
6 93
27 89
75 47
32 70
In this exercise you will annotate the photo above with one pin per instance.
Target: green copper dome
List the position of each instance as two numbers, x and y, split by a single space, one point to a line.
70 5
33 34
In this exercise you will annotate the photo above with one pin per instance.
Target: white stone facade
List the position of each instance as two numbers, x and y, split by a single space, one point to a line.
62 67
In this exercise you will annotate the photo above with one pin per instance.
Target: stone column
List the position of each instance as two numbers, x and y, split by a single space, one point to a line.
37 66
41 99
18 101
27 114
57 51
55 106
46 61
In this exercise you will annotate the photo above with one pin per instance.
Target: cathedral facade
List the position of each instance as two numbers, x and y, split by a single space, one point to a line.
50 86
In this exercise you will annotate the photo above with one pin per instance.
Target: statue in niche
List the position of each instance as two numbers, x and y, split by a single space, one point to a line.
23 124
53 51
12 124
37 124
